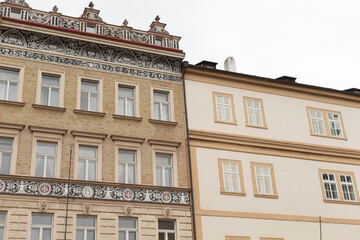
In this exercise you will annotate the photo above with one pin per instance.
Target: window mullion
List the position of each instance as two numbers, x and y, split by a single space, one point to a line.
89 95
41 232
86 169
45 163
49 98
126 173
163 176
7 90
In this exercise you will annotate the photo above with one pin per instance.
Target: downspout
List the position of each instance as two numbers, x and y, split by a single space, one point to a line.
68 194
320 228
184 67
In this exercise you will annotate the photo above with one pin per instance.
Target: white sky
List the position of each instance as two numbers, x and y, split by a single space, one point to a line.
317 41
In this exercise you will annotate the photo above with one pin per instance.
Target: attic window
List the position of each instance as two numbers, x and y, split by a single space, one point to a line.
158 42
90 29
15 14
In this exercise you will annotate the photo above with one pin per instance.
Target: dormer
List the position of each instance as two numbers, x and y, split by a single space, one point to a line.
90 20
17 9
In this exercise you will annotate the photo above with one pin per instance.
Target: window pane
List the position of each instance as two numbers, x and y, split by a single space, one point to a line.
3 87
81 169
165 112
121 106
50 167
2 217
1 233
46 148
121 173
130 107
54 97
168 177
132 235
84 101
159 176
126 156
41 219
126 92
80 235
46 234
12 91
89 86
171 236
161 236
6 144
90 235
166 225
85 221
131 173
50 80
5 163
44 96
35 234
163 159
93 102
127 223
157 111
161 97
39 167
122 235
7 74
92 171
87 152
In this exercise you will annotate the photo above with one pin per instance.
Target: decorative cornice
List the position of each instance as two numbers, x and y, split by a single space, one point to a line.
100 114
48 130
12 126
127 139
164 143
88 134
89 190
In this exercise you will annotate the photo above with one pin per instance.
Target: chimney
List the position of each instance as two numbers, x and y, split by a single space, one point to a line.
230 65
286 79
207 64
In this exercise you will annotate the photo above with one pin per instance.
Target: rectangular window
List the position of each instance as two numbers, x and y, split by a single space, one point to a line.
15 14
326 123
5 155
126 101
85 228
87 163
164 170
338 186
50 90
166 229
89 96
2 225
263 180
45 159
158 42
224 108
127 228
90 29
161 106
127 166
231 179
9 81
254 111
41 226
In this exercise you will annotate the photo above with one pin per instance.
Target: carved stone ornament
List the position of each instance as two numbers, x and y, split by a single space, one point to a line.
18 2
43 206
55 8
125 23
167 212
91 5
128 210
87 208
157 18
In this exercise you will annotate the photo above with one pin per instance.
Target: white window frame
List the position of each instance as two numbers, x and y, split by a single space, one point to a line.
319 121
136 97
330 121
7 151
127 230
236 173
162 149
127 166
42 227
163 167
46 158
87 160
170 93
263 176
99 81
61 76
92 142
252 111
347 185
14 134
330 182
3 225
166 231
21 70
85 229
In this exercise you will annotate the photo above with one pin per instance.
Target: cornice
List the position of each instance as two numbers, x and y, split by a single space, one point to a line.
48 130
127 139
164 143
88 134
12 126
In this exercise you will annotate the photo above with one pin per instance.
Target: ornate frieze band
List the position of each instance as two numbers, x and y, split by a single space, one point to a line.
37 188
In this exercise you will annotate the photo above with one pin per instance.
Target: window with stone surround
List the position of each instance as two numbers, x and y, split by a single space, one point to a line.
254 112
224 111
85 227
89 94
162 107
46 159
2 225
41 226
127 228
6 151
87 163
231 177
263 180
9 84
167 229
164 170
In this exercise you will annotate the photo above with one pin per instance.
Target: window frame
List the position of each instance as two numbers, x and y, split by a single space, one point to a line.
128 229
99 81
262 112
61 76
87 228
240 175
42 226
339 187
163 149
4 224
216 117
274 195
168 230
21 70
326 123
9 132
170 93
135 86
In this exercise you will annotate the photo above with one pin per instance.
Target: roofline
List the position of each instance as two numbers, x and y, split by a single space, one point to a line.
295 84
90 34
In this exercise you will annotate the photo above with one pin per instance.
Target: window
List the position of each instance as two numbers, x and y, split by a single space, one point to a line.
254 112
45 159
89 96
127 166
2 225
15 14
90 29
85 228
224 108
87 163
164 170
326 123
6 145
126 101
338 186
263 180
9 81
50 90
158 42
166 230
231 179
161 106
41 225
127 228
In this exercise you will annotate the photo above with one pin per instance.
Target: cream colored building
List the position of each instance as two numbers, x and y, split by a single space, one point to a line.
92 132
271 158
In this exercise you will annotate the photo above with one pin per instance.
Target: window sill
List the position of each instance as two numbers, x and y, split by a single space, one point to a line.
163 122
49 107
127 117
327 136
233 193
20 104
341 202
230 123
100 114
266 196
254 126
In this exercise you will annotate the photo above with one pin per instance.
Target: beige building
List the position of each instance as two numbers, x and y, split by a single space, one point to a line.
271 158
92 132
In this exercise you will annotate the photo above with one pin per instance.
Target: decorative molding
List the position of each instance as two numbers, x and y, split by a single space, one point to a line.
88 134
127 139
163 143
12 126
100 114
162 122
89 191
43 206
128 210
18 2
48 130
20 104
167 212
127 117
87 208
80 48
60 109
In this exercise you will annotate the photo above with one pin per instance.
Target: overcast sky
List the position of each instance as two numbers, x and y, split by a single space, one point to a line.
316 41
